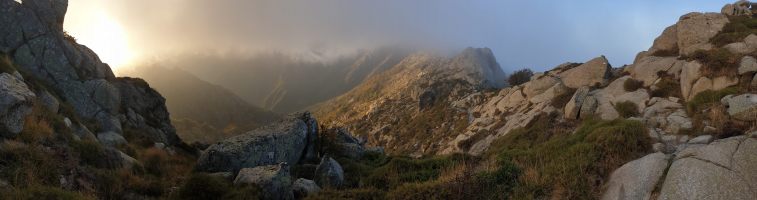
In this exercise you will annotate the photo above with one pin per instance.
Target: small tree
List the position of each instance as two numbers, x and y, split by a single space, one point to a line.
520 77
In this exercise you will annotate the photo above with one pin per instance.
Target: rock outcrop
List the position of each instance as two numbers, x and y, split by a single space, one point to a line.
636 179
740 8
742 107
32 35
15 103
723 169
594 72
285 141
696 29
304 187
329 173
273 180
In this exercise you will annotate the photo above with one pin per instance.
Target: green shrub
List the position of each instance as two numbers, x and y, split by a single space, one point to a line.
90 152
631 85
627 109
520 77
499 183
401 170
666 53
717 62
708 98
736 30
571 166
667 88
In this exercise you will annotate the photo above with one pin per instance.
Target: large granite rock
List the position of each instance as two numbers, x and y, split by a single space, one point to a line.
145 110
740 8
574 105
304 187
696 29
742 107
273 180
283 141
748 64
724 169
596 71
667 41
689 75
539 86
636 179
329 174
348 145
15 104
646 69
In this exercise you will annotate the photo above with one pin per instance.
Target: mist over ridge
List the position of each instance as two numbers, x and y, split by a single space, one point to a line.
534 34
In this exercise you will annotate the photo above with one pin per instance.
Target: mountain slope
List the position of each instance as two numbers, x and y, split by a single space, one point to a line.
193 102
412 101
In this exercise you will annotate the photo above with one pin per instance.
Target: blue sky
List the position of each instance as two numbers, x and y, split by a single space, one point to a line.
537 34
541 34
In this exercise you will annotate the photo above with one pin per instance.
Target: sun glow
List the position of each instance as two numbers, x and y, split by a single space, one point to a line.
104 36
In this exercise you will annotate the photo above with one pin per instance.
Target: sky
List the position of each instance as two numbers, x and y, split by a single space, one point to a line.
536 34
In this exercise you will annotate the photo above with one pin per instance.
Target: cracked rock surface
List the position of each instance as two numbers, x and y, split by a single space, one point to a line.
724 169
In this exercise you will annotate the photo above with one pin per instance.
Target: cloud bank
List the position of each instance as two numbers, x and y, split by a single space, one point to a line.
537 34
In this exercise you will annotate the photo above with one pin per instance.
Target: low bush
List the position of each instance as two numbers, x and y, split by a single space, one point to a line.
90 152
154 161
667 88
520 77
631 85
627 109
717 62
736 30
666 53
568 165
707 99
400 170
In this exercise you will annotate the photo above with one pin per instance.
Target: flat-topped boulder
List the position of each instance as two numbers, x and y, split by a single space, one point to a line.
283 141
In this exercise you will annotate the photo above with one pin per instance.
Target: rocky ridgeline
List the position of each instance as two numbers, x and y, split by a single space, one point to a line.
387 105
683 167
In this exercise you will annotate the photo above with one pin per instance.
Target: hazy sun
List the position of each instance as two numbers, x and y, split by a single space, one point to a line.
103 35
